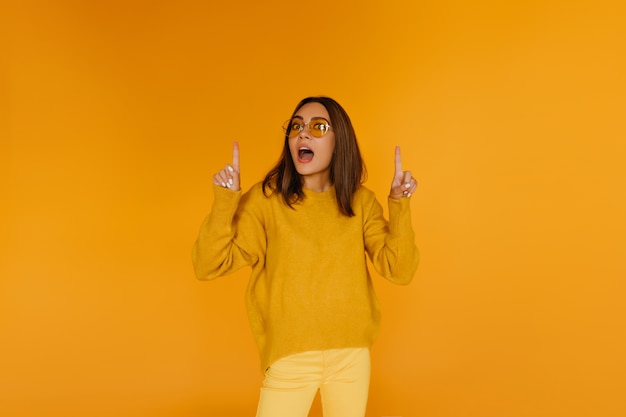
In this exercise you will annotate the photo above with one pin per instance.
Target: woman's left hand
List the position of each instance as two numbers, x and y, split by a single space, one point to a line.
403 184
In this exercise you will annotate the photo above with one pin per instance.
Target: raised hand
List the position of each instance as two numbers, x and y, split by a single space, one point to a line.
403 184
228 177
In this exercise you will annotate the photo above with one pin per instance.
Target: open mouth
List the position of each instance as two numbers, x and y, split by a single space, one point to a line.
305 154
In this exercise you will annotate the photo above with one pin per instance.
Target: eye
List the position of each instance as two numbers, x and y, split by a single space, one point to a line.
296 125
321 126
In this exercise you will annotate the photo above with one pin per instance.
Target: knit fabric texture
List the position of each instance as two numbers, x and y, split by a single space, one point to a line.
310 287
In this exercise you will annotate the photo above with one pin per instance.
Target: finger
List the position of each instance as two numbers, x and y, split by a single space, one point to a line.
232 174
412 188
219 179
228 174
398 162
236 156
406 178
232 177
408 184
226 178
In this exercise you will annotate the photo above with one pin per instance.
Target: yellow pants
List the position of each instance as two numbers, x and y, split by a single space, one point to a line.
341 375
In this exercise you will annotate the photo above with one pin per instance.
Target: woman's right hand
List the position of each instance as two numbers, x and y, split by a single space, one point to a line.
228 177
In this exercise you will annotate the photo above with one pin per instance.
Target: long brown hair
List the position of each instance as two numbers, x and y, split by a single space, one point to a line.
347 169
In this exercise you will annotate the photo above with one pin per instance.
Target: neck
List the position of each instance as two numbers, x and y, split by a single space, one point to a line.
317 183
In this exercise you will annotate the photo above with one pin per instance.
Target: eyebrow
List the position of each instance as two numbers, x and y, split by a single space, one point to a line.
314 117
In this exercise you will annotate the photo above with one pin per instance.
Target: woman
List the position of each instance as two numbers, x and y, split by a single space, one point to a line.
304 230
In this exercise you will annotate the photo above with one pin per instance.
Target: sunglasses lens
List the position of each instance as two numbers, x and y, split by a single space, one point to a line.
318 127
292 127
296 127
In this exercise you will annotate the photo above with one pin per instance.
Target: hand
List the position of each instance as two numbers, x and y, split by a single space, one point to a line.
403 184
229 176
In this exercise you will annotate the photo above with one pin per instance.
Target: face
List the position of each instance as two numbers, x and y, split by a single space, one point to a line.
312 155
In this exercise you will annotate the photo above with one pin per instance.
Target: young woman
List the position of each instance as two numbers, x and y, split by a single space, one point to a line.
305 230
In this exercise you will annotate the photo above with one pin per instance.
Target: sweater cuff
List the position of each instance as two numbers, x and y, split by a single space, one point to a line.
400 216
225 201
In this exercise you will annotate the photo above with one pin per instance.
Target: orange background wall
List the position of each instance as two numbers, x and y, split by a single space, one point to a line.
114 115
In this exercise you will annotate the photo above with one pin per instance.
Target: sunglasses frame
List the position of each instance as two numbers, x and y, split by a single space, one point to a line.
289 130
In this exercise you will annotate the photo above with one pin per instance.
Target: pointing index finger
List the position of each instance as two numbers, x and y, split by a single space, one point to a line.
398 160
236 156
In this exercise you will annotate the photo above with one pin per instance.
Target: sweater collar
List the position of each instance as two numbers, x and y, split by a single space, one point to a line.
324 195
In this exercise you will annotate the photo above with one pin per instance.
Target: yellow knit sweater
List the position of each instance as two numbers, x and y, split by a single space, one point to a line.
309 287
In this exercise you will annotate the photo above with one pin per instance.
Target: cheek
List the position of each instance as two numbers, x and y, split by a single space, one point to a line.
331 147
291 146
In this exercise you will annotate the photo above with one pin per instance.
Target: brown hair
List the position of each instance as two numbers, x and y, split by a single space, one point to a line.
347 169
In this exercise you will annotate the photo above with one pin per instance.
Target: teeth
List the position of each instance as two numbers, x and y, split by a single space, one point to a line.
305 151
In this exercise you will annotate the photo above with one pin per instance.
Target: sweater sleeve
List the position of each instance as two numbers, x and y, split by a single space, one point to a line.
231 237
391 245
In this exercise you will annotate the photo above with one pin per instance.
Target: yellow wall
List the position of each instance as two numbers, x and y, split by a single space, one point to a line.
511 115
